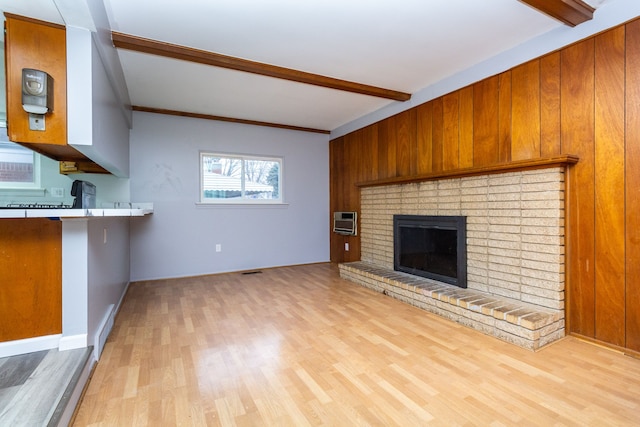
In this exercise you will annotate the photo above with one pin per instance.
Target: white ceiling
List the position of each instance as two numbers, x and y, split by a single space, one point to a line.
404 45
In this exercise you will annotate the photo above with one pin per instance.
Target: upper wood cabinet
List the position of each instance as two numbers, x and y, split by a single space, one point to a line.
42 46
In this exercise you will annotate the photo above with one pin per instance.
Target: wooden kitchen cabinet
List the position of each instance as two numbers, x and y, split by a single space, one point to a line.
30 278
42 46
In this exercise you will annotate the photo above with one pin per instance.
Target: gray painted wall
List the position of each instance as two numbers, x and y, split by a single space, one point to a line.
108 268
99 124
96 125
179 238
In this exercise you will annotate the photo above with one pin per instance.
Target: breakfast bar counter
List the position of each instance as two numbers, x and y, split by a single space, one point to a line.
135 209
68 269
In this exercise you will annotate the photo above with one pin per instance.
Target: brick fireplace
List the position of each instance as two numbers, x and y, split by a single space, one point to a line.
515 251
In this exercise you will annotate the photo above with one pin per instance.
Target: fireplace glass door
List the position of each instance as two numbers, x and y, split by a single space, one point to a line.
431 246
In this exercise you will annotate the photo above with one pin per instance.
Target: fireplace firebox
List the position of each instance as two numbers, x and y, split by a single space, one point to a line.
431 246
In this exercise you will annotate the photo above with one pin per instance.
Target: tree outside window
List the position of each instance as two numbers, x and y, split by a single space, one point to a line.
228 178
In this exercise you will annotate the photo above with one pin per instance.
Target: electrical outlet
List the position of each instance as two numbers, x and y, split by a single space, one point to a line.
346 246
218 247
104 236
57 192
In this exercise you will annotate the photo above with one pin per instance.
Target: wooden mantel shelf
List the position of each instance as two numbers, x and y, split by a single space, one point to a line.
540 163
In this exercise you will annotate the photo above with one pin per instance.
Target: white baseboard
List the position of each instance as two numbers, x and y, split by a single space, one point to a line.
107 324
119 304
48 342
103 331
29 345
72 342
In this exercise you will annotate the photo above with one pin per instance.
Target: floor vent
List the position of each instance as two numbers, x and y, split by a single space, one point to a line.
252 272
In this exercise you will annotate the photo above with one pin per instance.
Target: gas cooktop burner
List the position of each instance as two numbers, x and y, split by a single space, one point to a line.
37 206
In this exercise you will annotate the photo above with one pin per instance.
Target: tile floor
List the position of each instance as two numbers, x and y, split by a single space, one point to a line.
35 387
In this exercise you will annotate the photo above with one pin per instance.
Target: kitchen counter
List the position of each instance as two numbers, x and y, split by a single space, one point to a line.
82 257
136 209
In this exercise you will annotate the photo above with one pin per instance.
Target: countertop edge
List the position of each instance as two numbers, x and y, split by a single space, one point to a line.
74 213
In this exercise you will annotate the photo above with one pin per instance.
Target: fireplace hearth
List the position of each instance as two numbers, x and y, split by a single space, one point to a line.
431 246
514 244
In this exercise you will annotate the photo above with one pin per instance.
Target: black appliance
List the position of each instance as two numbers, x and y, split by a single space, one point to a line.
84 193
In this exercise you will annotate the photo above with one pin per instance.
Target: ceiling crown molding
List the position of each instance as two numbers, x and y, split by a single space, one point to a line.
225 119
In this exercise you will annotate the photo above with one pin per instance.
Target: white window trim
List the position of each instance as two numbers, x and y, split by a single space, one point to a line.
241 200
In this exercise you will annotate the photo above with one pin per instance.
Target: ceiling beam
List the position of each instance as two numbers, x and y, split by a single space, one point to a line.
139 44
225 119
571 12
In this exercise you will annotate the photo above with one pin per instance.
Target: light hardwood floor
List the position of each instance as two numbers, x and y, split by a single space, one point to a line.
299 346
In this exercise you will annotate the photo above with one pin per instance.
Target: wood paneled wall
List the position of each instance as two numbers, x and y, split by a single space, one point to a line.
582 100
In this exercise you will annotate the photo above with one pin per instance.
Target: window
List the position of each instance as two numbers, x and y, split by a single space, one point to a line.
19 166
235 178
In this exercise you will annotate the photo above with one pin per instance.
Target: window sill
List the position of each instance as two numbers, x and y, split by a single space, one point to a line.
241 205
22 192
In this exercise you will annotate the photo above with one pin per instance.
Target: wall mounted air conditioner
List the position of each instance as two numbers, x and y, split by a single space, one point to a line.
345 223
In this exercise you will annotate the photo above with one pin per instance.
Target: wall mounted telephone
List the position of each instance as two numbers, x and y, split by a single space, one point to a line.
37 96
